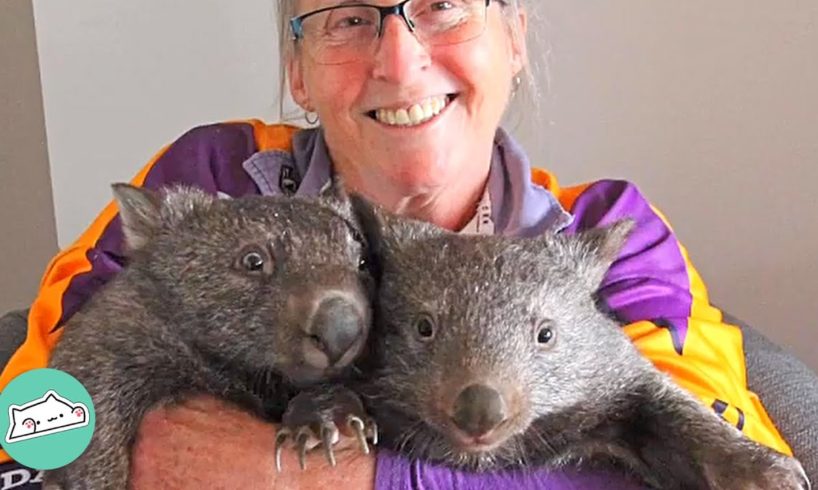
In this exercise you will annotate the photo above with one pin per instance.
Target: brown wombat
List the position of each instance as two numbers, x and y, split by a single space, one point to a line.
247 299
490 352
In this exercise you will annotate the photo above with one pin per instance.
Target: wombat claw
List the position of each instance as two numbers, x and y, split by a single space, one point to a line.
281 436
330 435
324 416
302 437
358 425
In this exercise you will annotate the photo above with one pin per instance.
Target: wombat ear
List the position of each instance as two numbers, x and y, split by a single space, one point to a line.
382 228
140 212
180 201
372 222
604 245
336 196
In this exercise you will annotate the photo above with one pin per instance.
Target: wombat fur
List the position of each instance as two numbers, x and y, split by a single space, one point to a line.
491 352
246 299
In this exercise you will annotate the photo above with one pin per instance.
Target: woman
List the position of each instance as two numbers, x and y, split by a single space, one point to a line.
410 98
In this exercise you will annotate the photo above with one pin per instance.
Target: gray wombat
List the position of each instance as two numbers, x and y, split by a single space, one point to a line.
491 352
246 299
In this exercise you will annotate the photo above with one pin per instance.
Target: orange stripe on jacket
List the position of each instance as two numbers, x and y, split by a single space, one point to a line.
566 196
273 137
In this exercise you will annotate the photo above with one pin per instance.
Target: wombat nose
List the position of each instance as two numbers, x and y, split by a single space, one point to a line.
478 409
337 325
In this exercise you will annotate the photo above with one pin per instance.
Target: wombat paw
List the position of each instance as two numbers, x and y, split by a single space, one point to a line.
780 473
786 474
330 418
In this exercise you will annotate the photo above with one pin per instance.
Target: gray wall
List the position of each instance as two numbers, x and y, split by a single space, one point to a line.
27 233
122 78
711 108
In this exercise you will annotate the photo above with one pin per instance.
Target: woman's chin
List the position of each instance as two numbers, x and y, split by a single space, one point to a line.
419 176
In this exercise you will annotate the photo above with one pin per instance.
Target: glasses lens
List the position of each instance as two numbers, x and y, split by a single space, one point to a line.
341 34
347 33
447 22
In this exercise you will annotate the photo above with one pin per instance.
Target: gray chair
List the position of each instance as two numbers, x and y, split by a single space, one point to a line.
12 333
789 391
788 388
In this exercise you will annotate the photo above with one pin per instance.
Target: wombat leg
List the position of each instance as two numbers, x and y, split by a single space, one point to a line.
328 416
678 438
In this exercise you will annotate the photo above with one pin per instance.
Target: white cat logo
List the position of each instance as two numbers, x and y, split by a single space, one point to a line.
45 416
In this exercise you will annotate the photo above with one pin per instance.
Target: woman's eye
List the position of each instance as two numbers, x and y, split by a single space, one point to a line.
425 327
253 261
347 22
438 6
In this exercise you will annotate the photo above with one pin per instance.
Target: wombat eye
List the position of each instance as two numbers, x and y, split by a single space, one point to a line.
362 264
545 334
425 327
356 235
254 260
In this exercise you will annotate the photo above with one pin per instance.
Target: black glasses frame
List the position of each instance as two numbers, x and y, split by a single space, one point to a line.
297 23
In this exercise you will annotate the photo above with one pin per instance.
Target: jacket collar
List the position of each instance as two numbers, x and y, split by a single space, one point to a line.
518 206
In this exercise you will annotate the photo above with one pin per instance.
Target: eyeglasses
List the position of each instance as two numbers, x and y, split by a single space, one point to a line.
348 32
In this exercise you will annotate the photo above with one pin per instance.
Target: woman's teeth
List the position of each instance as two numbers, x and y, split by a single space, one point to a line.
416 114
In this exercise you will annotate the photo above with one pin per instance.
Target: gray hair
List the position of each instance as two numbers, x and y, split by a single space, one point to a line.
526 95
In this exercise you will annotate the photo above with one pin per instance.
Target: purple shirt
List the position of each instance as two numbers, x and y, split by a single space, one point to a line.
397 473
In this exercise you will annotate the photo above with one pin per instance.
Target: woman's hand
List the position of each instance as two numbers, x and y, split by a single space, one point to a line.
208 443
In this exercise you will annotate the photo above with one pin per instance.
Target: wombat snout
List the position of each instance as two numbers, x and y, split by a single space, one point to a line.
337 327
478 410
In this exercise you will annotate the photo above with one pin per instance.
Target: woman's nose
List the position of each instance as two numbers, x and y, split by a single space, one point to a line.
399 53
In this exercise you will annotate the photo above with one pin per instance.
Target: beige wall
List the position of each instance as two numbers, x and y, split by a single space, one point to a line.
710 107
27 233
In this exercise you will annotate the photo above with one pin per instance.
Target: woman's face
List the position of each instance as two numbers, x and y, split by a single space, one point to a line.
356 100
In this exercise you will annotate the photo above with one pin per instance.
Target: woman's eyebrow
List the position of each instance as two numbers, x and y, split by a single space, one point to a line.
327 5
346 2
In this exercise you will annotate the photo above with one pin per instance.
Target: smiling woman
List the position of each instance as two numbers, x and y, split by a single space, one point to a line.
461 55
410 96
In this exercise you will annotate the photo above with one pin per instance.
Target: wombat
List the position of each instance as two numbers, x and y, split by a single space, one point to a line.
492 352
247 299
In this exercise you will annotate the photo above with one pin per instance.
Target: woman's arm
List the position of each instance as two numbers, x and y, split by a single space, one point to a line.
208 443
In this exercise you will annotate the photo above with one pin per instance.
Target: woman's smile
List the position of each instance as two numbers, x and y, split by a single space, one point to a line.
413 115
